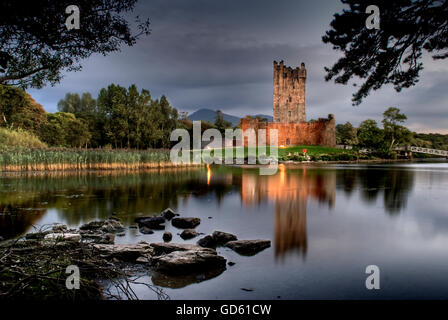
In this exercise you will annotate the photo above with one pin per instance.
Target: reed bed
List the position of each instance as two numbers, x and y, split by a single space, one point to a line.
83 159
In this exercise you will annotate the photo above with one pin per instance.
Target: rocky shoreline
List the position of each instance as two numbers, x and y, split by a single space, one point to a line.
170 264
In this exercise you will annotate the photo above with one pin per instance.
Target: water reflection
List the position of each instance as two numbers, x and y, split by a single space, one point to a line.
79 198
290 191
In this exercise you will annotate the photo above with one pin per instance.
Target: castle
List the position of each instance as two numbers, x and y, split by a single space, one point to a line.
289 108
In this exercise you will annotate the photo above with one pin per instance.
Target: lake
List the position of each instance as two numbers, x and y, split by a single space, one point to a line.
327 223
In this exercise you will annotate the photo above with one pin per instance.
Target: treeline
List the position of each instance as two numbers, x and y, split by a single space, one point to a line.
384 139
118 118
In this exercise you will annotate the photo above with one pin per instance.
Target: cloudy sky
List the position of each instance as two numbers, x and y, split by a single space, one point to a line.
218 54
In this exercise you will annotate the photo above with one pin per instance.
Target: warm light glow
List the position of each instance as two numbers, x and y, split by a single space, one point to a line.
209 174
281 167
282 147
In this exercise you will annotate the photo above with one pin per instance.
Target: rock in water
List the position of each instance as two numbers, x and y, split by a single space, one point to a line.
218 238
157 223
167 236
125 252
248 247
188 234
190 261
222 238
169 214
146 230
160 248
110 225
186 223
207 242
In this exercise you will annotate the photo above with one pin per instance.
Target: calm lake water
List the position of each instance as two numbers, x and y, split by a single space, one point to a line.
326 224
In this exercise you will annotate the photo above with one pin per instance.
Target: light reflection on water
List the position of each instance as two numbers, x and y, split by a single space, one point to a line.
326 223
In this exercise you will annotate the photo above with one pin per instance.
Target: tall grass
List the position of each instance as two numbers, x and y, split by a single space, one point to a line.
82 159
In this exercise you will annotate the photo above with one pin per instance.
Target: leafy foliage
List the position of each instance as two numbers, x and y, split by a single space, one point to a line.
19 110
36 46
392 54
346 134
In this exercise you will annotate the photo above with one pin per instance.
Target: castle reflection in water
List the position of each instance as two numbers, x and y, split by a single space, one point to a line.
289 193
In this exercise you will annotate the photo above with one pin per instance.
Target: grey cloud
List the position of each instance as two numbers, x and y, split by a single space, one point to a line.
218 54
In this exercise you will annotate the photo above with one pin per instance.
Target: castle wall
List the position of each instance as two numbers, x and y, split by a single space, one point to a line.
321 132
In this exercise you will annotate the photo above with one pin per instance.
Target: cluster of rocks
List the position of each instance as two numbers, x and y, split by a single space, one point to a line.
167 259
96 232
147 225
243 247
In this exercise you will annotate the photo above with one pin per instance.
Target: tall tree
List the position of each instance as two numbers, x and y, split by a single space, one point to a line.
394 132
391 54
36 47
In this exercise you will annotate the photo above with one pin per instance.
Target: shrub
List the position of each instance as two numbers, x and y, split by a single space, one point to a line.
12 139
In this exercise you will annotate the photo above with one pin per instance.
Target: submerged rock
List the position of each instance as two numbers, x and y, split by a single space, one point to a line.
169 213
146 230
186 223
179 281
156 223
190 261
167 236
188 234
248 247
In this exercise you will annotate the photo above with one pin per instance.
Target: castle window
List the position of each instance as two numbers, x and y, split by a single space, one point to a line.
289 112
290 99
288 142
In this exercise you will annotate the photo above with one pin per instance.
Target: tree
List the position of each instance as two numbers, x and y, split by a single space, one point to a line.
393 53
65 130
394 132
220 123
79 106
370 135
36 47
346 134
19 110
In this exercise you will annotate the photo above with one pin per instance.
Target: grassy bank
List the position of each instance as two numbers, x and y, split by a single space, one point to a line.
81 159
313 153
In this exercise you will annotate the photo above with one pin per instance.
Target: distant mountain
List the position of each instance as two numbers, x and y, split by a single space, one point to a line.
210 116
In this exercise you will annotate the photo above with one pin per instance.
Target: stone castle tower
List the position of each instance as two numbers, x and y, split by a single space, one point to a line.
289 93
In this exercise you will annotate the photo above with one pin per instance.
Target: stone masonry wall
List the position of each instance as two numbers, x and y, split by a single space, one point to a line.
289 93
321 132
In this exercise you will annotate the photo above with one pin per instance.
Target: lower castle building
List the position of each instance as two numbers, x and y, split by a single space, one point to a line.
289 110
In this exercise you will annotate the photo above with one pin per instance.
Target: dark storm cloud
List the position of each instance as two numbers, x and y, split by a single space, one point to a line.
218 54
